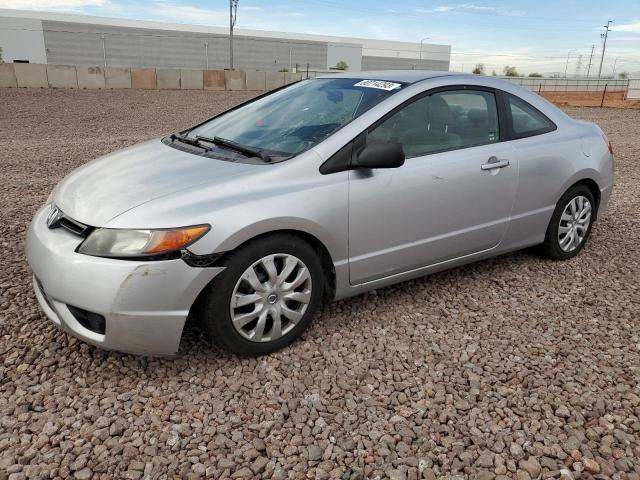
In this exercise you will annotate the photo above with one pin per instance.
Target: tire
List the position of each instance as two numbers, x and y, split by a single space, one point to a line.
284 306
557 244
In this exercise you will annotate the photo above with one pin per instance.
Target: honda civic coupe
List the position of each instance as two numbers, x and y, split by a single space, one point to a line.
323 189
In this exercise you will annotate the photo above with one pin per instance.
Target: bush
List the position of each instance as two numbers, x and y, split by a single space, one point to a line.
510 71
478 69
341 65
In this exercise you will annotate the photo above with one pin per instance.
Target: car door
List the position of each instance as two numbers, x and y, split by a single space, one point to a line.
451 198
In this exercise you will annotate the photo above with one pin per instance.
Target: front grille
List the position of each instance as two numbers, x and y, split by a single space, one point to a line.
74 227
58 219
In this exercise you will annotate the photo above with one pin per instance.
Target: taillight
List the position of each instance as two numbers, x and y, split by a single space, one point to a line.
608 142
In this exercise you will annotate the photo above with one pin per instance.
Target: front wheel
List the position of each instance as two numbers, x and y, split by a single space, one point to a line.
570 225
266 296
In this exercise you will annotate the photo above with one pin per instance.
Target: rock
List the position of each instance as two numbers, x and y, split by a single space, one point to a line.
315 453
225 463
531 466
563 412
259 464
566 474
591 465
397 475
84 474
516 451
485 460
243 472
116 428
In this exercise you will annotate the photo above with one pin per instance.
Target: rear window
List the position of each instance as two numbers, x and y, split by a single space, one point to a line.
526 120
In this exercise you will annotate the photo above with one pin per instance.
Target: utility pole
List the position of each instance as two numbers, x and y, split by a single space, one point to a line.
607 29
233 13
579 66
613 73
421 42
104 50
593 47
566 65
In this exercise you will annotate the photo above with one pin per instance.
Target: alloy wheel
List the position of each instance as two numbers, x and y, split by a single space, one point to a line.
270 297
574 223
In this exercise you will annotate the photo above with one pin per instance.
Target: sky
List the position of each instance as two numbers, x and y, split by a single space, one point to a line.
532 35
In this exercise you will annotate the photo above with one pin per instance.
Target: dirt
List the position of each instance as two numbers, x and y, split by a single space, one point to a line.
515 367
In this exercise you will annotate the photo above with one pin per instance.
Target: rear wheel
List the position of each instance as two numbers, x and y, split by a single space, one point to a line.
570 225
266 296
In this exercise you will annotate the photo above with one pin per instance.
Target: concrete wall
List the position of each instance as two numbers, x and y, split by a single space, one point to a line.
256 80
213 79
7 75
62 76
144 78
90 77
31 75
191 79
69 76
168 78
116 77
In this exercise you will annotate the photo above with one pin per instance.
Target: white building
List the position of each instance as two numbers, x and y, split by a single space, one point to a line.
40 37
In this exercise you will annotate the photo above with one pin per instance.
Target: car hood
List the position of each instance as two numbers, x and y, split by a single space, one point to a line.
109 186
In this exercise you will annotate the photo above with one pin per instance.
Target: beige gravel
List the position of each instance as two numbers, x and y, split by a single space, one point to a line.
515 367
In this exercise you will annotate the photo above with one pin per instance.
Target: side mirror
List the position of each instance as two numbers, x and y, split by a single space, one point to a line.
380 155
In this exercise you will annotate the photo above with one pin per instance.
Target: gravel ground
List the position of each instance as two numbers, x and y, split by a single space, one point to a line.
516 367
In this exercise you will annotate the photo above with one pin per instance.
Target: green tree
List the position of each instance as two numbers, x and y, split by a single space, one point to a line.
1 60
623 75
510 71
535 74
341 65
494 74
478 69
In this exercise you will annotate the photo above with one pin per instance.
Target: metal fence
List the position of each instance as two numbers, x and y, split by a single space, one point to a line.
571 84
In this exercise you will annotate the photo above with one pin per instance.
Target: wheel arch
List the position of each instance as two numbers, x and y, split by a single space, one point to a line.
326 259
593 187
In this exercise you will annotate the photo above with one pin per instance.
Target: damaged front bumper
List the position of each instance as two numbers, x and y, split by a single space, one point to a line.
144 304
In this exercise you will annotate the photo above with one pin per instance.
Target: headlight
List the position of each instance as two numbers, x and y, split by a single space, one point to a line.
113 242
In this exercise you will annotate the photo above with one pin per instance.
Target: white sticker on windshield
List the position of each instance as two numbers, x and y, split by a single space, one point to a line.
382 85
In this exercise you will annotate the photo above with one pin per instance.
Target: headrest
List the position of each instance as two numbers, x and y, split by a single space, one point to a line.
439 111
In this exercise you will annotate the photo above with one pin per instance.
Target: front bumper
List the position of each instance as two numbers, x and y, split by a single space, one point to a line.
145 304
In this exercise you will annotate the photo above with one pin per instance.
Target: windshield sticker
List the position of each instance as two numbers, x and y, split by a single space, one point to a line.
378 84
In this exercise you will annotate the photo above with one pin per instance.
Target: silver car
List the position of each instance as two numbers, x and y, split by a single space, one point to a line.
328 187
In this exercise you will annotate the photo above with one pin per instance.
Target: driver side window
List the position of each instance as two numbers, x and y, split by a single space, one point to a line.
442 121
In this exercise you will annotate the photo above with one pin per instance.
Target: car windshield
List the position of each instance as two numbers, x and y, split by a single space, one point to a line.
298 117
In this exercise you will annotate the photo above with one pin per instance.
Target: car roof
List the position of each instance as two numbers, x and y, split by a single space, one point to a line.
401 76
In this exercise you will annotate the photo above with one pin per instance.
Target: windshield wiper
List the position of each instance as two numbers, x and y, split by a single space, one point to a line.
187 140
249 151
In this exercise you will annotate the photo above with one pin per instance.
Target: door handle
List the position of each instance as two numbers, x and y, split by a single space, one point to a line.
493 163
